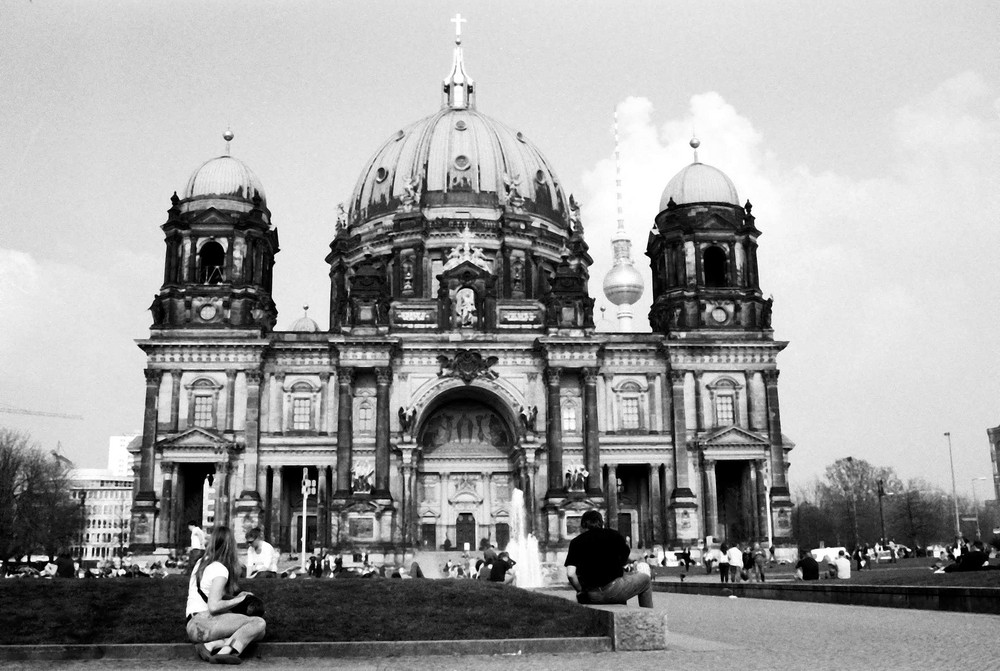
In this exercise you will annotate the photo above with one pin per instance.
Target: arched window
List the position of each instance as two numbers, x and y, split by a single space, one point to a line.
302 407
715 267
725 399
211 263
366 417
630 406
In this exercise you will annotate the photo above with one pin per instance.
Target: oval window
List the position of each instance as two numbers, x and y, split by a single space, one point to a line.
540 177
460 125
462 162
381 174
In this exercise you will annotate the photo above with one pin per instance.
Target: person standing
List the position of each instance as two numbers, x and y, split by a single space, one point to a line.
220 635
724 563
759 561
735 558
262 559
595 566
197 548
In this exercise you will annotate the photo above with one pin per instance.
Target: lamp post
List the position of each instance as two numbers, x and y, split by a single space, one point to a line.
954 491
881 514
975 504
308 488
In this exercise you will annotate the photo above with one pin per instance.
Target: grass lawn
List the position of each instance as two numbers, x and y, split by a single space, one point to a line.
152 611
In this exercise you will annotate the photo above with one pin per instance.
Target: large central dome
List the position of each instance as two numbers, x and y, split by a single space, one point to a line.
458 159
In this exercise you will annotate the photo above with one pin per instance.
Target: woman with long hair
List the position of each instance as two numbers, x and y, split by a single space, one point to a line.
219 634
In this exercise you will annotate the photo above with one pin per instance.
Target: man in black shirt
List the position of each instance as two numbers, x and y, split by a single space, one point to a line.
595 566
808 566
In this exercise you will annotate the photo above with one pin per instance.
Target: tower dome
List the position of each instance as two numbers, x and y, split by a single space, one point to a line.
223 178
699 183
305 324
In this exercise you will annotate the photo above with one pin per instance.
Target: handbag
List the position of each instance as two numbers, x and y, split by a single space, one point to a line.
252 605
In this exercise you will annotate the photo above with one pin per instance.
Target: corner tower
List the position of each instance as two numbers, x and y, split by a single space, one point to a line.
220 249
708 304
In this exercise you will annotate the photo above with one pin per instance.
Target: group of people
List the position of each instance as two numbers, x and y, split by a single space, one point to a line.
739 562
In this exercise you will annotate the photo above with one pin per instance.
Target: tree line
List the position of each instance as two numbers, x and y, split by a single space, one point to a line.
843 509
37 512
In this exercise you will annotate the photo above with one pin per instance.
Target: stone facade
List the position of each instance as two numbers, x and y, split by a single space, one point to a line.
461 365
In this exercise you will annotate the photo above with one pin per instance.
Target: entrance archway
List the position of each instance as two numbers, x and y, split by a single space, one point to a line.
468 468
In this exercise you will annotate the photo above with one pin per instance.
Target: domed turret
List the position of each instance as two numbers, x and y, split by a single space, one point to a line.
223 182
699 183
704 259
305 324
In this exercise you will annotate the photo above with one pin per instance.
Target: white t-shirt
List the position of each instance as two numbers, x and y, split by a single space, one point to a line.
265 560
843 565
195 604
734 556
197 538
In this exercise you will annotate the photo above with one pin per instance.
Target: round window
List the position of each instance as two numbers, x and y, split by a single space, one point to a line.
460 125
540 176
462 162
381 174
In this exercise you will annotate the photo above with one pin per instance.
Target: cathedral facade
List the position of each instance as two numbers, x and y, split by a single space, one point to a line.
461 367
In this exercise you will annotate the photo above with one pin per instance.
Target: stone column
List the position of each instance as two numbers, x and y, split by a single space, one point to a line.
609 405
251 454
278 412
699 403
324 400
487 520
754 498
169 523
751 404
553 436
591 444
147 455
779 482
175 400
322 517
444 480
655 503
612 521
230 398
651 402
277 507
408 502
345 413
711 502
383 377
682 485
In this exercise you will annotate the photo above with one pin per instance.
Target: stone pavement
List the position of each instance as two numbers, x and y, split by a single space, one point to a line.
713 632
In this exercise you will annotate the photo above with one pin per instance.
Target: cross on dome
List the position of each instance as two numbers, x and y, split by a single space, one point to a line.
458 21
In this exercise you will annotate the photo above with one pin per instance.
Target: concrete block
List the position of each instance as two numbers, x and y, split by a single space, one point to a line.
634 628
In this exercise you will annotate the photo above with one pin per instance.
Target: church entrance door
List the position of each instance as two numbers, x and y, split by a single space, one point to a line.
465 531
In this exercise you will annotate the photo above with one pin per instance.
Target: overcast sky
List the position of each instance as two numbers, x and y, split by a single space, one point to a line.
867 140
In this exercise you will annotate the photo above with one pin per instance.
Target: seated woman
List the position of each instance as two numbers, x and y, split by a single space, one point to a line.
221 635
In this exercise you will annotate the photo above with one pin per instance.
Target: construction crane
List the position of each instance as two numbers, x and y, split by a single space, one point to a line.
39 413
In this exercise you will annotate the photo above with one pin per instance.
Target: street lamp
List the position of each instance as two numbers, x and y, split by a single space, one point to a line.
954 490
975 504
308 488
881 515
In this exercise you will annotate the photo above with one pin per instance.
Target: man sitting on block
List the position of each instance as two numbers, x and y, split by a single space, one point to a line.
595 566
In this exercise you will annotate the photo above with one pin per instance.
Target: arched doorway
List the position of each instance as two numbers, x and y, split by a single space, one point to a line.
467 470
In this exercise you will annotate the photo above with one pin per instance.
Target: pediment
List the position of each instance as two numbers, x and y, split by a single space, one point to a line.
212 216
362 507
733 436
466 271
195 437
717 223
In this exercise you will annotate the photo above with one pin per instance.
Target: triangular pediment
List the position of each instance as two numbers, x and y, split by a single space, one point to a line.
715 222
195 437
733 436
212 216
466 271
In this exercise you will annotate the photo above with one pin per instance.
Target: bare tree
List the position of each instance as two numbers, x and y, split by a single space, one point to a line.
851 485
37 513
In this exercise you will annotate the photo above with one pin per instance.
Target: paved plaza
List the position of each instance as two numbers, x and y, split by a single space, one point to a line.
707 632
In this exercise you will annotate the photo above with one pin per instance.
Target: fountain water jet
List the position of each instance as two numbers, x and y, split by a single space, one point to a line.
523 547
